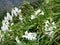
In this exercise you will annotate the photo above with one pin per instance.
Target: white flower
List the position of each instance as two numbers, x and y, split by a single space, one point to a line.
15 13
4 27
26 33
30 36
19 11
17 39
53 23
54 27
47 22
49 28
5 18
20 17
9 17
7 23
51 33
42 13
32 16
16 9
37 12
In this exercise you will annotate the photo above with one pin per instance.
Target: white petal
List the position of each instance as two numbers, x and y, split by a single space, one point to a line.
42 13
32 16
38 11
17 40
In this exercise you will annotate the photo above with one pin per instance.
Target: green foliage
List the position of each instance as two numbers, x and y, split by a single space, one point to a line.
51 10
27 9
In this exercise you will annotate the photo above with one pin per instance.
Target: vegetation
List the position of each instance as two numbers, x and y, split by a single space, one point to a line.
36 23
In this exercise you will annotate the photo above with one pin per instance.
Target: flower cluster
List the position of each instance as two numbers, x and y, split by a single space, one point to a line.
49 27
38 12
9 18
30 36
5 22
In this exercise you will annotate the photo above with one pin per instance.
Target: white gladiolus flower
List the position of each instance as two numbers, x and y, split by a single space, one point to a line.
46 22
53 23
3 22
4 28
9 17
30 36
7 23
32 16
17 39
26 32
5 18
51 33
54 27
8 14
16 9
20 17
49 27
19 11
46 25
37 12
15 13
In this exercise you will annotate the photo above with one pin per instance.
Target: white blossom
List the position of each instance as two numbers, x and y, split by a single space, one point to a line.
9 17
42 13
32 16
20 17
30 36
37 12
26 32
19 11
46 22
49 28
53 23
4 28
16 9
14 12
51 33
17 39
